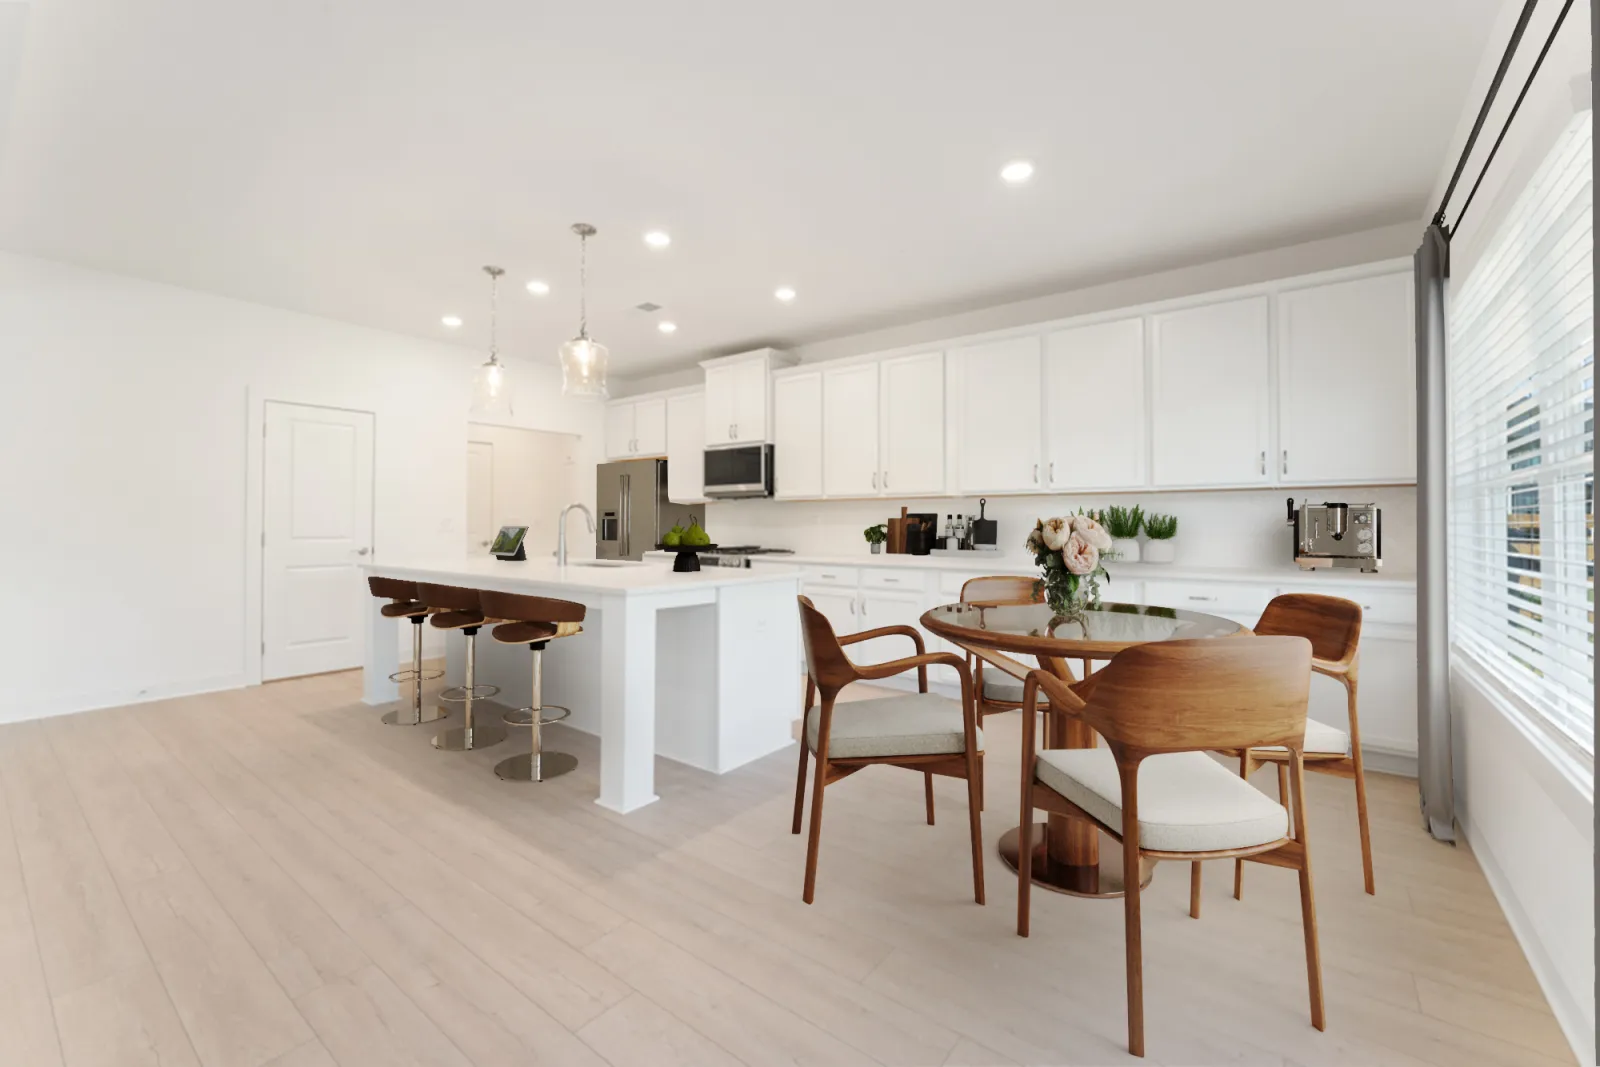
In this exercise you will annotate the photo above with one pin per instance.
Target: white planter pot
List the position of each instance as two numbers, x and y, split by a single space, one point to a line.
1126 548
1160 551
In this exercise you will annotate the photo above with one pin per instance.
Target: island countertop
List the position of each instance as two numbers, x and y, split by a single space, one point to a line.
617 578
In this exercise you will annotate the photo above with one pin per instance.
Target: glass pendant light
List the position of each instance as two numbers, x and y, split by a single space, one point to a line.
491 391
583 359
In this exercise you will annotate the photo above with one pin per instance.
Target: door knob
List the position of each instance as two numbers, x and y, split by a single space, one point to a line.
364 551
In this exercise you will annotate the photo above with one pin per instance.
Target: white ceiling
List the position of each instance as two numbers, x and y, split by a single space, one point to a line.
362 160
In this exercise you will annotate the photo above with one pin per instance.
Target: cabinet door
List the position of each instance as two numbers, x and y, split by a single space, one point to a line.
650 428
913 424
995 392
1210 369
686 444
1344 349
1094 421
721 390
750 401
838 604
619 431
850 430
797 436
884 608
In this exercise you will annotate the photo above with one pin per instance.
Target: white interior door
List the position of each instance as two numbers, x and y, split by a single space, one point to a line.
480 497
317 527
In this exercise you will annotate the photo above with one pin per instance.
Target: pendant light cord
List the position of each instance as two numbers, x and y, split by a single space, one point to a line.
583 285
494 317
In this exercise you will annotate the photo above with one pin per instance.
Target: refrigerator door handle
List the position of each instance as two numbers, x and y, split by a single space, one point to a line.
625 513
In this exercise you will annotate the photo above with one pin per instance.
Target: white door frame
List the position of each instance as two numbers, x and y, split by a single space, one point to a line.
256 400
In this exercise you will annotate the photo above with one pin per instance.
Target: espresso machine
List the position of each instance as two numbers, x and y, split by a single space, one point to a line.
1337 535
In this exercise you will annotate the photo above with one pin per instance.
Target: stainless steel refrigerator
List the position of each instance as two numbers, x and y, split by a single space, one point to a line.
634 510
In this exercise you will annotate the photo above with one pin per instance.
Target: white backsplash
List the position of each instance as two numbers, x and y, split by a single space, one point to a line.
1231 529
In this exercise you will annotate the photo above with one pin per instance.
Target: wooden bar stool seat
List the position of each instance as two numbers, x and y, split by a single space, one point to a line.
405 604
457 608
534 621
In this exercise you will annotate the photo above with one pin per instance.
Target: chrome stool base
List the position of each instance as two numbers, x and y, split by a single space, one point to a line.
469 739
520 768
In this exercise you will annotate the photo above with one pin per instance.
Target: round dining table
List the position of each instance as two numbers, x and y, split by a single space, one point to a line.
1064 850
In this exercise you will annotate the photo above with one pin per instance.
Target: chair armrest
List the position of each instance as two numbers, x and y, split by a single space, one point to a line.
886 631
923 660
1063 698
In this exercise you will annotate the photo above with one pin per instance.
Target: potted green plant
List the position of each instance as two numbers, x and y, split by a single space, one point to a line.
1160 529
1123 524
876 536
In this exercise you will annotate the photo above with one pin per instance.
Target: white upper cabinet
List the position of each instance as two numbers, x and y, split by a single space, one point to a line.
1347 382
797 436
650 427
686 443
1094 406
850 431
1210 372
739 398
636 428
912 408
995 406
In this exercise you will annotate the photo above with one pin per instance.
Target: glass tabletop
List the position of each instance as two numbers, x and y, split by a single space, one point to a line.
1035 626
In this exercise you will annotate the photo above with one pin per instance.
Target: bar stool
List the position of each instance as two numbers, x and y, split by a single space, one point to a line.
456 608
406 605
534 621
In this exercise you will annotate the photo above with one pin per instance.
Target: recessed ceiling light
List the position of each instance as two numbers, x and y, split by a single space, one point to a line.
538 288
667 327
784 293
451 321
1017 171
657 239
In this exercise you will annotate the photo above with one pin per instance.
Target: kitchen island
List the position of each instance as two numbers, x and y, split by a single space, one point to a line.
697 667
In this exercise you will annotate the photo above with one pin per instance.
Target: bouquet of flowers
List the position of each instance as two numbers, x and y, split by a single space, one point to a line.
1069 552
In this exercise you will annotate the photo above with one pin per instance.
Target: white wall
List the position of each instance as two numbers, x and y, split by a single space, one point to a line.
123 445
1529 822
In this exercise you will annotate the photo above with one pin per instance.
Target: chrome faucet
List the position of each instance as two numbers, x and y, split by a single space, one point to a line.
561 530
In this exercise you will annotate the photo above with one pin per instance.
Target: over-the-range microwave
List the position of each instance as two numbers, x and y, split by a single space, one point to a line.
738 471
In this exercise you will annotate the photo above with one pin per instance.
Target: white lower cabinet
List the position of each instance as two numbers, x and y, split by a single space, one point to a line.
883 607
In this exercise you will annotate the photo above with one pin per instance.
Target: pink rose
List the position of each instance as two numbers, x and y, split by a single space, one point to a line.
1056 532
1092 532
1079 556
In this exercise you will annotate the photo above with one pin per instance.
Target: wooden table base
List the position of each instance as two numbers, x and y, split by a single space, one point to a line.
1103 879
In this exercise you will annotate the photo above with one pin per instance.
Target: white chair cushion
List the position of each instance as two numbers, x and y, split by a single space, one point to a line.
1188 802
1321 739
918 724
998 685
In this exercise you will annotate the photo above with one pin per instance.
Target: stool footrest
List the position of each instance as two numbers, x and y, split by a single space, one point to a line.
408 675
457 694
524 716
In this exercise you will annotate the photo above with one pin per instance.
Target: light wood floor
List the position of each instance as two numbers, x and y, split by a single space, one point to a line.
271 877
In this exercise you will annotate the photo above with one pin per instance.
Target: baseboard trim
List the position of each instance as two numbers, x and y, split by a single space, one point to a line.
1577 1027
72 703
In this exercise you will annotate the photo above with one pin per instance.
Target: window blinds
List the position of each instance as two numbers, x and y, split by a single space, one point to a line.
1521 373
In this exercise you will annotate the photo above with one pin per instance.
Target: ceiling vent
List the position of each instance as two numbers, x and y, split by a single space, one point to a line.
647 306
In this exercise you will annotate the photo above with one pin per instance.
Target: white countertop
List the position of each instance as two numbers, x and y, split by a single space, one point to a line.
999 563
578 576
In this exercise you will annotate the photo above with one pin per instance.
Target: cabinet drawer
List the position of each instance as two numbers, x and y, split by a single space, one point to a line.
884 578
1383 607
832 575
1231 598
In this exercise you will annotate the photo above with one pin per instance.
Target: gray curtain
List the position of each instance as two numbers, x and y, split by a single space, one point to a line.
1434 761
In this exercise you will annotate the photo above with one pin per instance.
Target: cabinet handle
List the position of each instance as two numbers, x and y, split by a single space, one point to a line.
1052 470
829 577
863 608
736 431
1035 474
1263 461
1192 597
1286 461
852 605
886 479
891 579
874 479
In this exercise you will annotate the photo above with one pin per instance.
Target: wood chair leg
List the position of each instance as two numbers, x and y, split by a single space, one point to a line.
1194 890
819 778
974 809
1308 905
1238 865
1025 858
1361 787
1130 908
927 793
800 785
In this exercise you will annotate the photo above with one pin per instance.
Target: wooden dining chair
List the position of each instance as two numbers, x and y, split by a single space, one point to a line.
921 731
1160 707
996 690
1333 626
